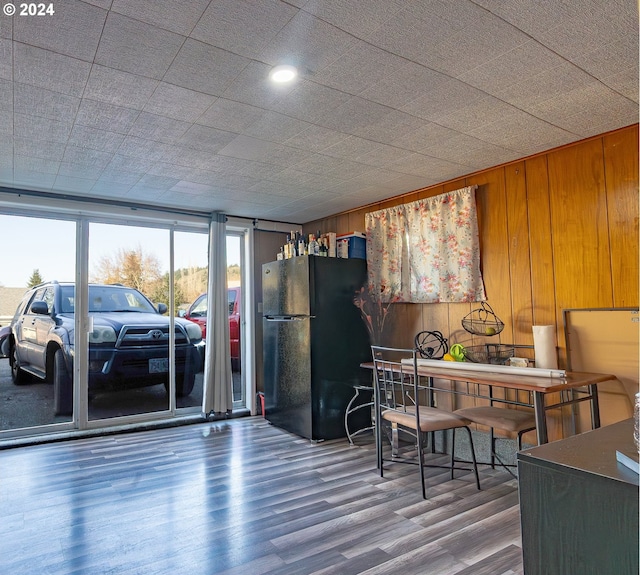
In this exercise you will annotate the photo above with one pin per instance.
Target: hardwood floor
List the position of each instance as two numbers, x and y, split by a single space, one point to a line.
241 497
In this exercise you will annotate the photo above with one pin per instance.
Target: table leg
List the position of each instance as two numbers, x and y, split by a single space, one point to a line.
595 406
541 419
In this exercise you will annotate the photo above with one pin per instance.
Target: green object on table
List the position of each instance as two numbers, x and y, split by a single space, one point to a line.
457 352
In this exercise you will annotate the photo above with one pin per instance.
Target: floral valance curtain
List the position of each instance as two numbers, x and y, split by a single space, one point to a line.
426 251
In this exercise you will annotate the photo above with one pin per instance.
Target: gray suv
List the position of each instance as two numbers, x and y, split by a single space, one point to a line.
128 345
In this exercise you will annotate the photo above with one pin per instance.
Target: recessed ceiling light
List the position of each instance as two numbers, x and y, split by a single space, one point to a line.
283 73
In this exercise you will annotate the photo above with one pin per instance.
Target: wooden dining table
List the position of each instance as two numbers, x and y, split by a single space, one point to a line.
581 385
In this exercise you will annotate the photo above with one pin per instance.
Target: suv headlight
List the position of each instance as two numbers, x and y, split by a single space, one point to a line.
193 331
102 334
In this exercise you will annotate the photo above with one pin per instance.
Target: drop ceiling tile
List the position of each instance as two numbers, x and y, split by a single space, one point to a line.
6 96
179 17
550 83
243 27
422 165
275 127
86 157
44 103
26 163
358 17
206 139
514 67
387 127
204 68
188 157
422 135
401 86
479 113
77 30
178 103
41 149
114 174
105 116
119 88
33 180
106 4
359 68
46 69
35 127
167 170
230 115
133 46
6 123
262 151
443 98
110 189
315 138
307 43
611 59
6 59
96 139
311 102
130 165
154 182
70 183
146 150
354 115
84 172
625 83
6 28
158 128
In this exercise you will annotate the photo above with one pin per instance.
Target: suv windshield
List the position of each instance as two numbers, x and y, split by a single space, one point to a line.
107 299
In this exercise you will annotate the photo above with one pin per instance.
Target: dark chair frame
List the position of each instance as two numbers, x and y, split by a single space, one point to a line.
404 401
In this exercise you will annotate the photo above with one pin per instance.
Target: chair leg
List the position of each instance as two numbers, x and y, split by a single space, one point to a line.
453 450
492 446
473 457
420 446
379 441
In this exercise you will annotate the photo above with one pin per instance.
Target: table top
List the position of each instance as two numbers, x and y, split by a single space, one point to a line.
534 383
592 452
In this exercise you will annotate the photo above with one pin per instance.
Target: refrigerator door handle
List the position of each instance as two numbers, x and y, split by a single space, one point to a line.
288 317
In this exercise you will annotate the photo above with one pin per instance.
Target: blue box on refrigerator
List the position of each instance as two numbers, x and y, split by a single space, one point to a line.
352 245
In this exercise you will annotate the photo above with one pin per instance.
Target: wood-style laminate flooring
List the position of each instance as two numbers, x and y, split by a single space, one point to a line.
241 497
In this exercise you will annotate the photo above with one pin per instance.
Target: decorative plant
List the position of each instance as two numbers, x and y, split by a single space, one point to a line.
373 310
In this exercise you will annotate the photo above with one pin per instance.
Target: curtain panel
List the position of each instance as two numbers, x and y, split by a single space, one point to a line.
218 393
426 251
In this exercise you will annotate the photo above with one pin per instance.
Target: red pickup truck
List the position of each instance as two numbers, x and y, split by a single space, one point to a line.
197 313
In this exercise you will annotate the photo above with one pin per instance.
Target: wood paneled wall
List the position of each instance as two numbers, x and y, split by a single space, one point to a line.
558 230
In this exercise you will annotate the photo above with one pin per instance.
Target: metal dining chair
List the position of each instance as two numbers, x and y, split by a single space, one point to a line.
500 417
404 403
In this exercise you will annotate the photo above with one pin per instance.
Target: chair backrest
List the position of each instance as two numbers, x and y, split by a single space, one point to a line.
396 382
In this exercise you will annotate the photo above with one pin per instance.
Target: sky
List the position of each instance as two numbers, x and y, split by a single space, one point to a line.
49 247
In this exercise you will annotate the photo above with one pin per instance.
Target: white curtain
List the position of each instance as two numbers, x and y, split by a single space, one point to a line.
426 251
218 391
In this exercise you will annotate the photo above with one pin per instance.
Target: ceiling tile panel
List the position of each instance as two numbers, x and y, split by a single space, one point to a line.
39 128
230 115
46 69
307 42
44 103
206 139
6 59
6 96
275 127
133 46
103 116
96 139
119 88
204 68
179 17
260 23
315 138
74 30
158 128
178 103
40 149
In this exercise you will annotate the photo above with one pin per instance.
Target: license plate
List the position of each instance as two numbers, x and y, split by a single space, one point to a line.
159 365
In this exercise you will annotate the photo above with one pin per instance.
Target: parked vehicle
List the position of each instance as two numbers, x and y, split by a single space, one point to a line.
128 346
197 313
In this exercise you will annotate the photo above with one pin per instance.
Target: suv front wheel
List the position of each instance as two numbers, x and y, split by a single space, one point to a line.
17 375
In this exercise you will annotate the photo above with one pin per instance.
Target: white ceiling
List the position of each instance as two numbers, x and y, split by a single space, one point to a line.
167 102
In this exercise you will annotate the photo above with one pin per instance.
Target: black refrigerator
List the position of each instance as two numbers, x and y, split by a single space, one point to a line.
314 343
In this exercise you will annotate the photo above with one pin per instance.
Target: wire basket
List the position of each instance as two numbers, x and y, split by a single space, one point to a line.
493 353
482 321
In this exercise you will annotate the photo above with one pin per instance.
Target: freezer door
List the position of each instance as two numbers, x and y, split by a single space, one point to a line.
285 288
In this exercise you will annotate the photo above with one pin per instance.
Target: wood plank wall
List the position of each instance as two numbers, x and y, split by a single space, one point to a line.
558 230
